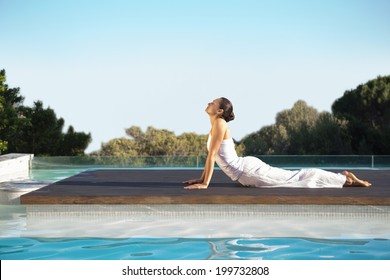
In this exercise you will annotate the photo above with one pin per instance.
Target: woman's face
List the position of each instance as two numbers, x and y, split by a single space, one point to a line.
213 107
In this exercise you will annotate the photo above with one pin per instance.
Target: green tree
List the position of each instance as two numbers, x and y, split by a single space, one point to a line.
43 134
74 143
3 144
154 142
118 147
330 136
291 133
295 126
300 130
264 141
35 129
367 110
192 144
10 114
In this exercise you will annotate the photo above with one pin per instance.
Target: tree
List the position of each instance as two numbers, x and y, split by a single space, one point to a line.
330 136
192 144
74 143
10 102
294 126
43 133
118 147
367 110
264 141
35 129
3 144
291 133
154 142
300 130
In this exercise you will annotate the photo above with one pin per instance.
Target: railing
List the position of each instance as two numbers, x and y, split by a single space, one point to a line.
329 161
284 161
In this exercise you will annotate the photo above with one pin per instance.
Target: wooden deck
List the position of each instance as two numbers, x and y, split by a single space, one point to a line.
120 186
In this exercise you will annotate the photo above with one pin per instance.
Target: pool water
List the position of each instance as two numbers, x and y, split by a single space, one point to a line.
121 235
193 249
56 174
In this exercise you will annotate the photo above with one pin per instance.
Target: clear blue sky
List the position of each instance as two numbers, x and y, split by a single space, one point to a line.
107 65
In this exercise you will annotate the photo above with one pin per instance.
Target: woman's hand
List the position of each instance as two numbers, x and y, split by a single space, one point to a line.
198 186
193 181
195 184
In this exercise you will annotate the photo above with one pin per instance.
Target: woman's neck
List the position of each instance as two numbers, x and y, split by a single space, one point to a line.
213 118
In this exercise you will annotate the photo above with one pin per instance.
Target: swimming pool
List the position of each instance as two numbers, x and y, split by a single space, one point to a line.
115 234
193 249
293 232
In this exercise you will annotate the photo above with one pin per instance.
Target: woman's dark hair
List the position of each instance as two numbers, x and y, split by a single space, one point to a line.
227 108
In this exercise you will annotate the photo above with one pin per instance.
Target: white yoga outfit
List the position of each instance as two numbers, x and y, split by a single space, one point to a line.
252 172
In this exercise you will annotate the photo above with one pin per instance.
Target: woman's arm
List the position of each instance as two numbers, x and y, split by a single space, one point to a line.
217 134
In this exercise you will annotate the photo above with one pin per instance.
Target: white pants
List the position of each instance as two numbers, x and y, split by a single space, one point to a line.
256 173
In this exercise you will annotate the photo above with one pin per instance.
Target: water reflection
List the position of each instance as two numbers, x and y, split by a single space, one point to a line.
252 249
194 248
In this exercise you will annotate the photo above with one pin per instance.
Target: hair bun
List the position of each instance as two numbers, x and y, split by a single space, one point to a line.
231 117
227 107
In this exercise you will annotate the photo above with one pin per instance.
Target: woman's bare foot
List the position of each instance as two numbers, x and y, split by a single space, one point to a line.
353 181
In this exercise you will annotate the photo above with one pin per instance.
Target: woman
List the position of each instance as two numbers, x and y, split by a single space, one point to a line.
251 171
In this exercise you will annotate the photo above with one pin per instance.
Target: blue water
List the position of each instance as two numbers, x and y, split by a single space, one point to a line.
193 249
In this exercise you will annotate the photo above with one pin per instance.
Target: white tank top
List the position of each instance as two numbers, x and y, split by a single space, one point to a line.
228 160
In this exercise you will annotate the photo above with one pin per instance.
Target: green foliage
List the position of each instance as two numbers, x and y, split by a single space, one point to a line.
35 129
10 102
367 111
2 102
289 135
301 130
118 147
260 142
294 127
154 142
360 124
74 143
330 136
3 144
